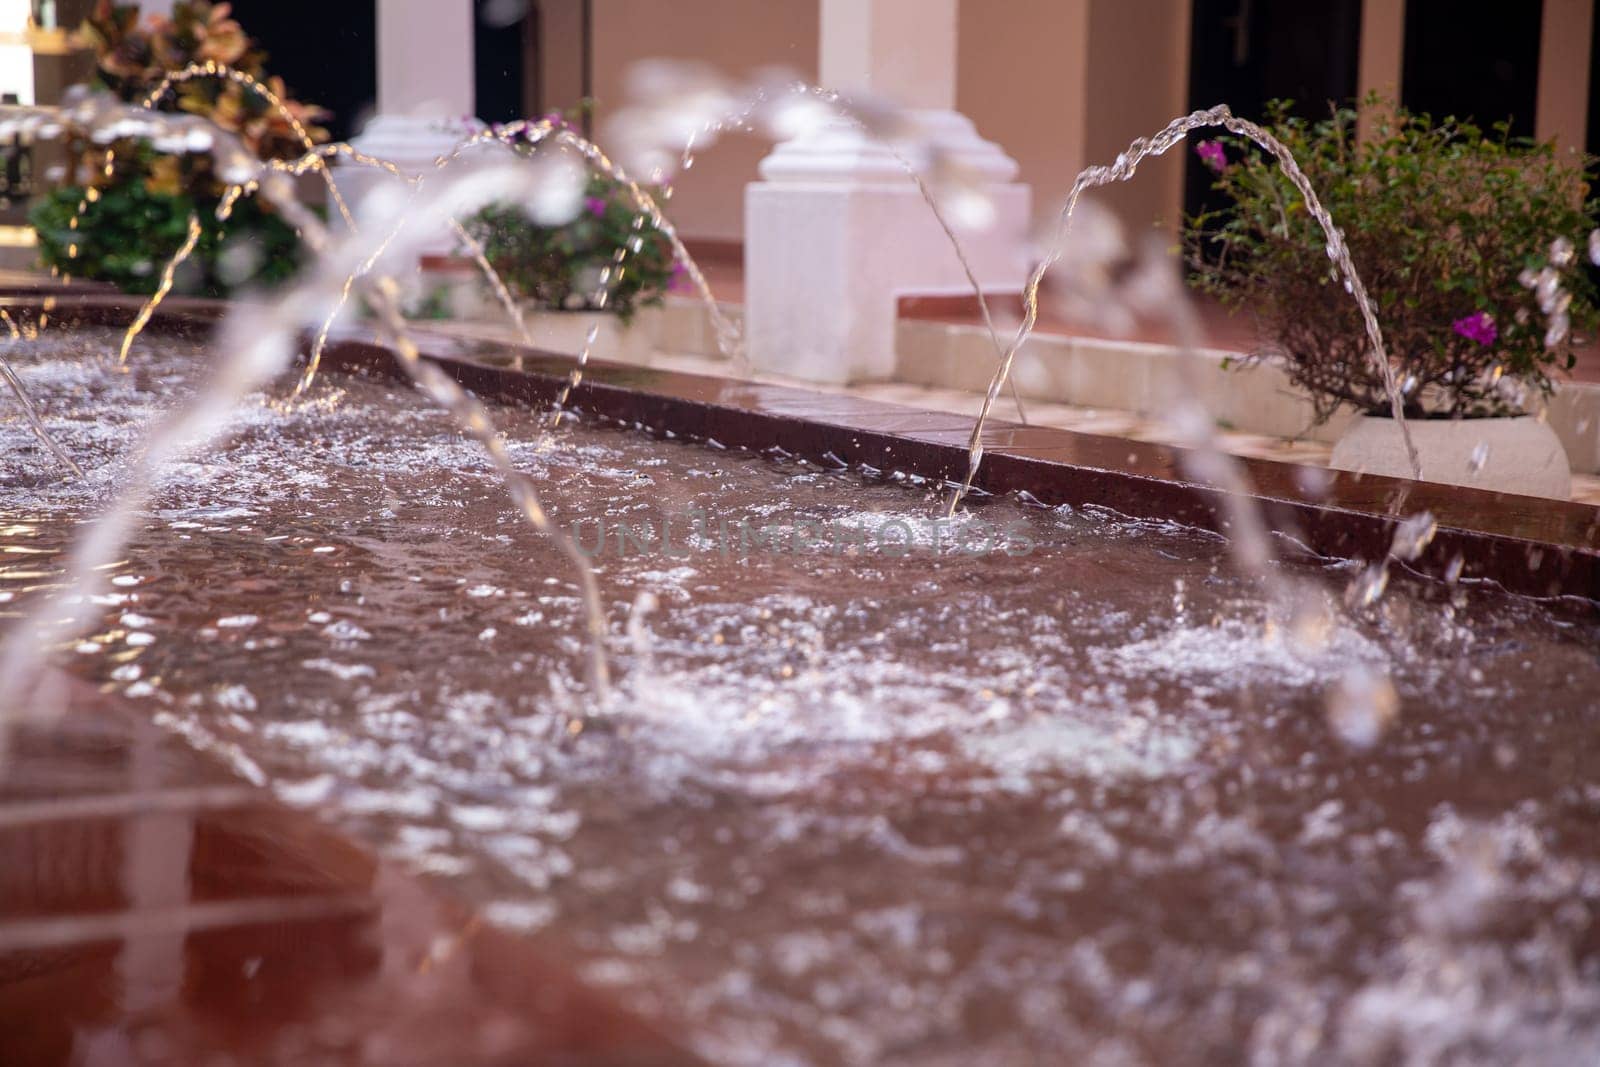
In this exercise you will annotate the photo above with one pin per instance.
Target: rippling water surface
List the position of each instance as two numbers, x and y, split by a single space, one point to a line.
1079 798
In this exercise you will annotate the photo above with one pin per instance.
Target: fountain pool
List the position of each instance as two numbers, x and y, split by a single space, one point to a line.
1061 785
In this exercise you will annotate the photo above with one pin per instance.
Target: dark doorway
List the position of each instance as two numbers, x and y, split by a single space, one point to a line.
325 52
1474 60
1244 53
500 46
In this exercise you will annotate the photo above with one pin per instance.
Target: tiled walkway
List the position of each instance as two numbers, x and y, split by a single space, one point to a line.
1585 488
1222 328
1104 421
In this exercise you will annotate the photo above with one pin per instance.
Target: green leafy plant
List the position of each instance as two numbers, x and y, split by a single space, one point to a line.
1451 230
562 266
127 234
135 214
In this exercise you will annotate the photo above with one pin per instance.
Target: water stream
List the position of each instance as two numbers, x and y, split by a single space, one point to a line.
1123 169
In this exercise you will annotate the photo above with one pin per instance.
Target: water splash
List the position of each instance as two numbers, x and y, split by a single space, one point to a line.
31 413
259 342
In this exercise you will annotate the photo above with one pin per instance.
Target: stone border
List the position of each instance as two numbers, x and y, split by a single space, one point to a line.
1139 377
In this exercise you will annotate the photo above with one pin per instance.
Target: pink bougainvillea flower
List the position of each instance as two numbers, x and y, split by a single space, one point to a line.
596 206
679 282
1479 327
1212 155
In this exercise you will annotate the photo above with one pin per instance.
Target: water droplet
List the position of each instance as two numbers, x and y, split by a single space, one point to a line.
1548 284
1560 325
1561 252
1413 536
1367 589
1480 456
1362 708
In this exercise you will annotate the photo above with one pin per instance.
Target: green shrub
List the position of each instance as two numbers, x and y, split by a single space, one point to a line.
1448 227
139 213
560 266
127 235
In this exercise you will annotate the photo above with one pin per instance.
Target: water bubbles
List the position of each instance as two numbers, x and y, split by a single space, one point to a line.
1412 537
1314 481
555 195
236 168
969 206
239 260
1368 589
502 13
1562 254
1547 285
1452 573
1594 247
1362 708
795 115
1479 457
1560 327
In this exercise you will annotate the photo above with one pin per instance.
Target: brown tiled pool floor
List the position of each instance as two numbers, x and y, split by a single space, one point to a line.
154 909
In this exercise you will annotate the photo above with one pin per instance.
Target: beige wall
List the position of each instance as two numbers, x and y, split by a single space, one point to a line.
1065 84
737 37
1139 82
1059 84
1022 70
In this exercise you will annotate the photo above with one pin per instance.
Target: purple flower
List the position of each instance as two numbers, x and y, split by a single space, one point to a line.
1212 155
680 278
1478 327
596 206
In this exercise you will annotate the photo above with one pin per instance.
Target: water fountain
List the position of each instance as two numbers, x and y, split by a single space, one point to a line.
1051 772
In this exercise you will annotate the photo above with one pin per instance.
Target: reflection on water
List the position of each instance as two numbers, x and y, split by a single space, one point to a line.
945 807
142 922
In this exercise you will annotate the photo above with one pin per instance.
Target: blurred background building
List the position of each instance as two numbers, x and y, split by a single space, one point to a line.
1058 84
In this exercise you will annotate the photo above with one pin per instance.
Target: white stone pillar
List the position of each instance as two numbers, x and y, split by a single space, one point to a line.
837 232
426 95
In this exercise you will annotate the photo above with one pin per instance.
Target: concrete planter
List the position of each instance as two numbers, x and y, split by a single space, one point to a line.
1505 455
564 332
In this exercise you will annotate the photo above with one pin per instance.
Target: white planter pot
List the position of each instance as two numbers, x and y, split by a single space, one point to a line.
1506 455
564 332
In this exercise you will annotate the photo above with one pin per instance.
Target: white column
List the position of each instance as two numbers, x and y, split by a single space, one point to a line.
837 232
425 92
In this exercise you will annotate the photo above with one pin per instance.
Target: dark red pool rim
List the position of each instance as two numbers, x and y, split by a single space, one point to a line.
1528 545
